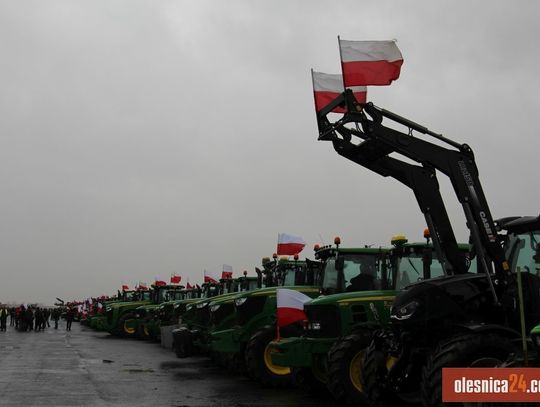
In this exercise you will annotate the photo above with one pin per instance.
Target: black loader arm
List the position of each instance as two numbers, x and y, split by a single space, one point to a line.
454 160
422 180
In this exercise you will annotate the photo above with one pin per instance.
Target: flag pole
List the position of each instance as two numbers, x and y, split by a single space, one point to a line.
341 62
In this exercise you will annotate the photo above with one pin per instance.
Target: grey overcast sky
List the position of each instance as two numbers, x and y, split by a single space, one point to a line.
141 138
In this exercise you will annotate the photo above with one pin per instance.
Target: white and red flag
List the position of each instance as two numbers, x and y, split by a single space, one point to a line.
327 87
175 279
365 63
289 245
227 271
188 286
142 286
125 287
290 306
210 277
159 283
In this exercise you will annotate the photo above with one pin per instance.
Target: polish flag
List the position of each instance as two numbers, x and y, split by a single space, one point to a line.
290 306
327 87
188 286
175 279
209 277
226 271
142 286
159 283
125 287
369 62
289 244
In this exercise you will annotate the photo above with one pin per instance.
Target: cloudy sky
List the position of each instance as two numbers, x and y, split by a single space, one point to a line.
141 138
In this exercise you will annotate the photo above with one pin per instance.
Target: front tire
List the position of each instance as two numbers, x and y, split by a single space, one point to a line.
125 331
470 350
259 364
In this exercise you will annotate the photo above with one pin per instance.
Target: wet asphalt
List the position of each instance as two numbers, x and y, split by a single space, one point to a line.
87 368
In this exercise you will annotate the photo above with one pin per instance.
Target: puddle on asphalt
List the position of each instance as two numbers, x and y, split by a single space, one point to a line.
138 370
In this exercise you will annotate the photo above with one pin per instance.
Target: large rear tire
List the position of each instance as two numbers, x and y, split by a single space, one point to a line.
374 371
344 369
125 331
259 364
470 350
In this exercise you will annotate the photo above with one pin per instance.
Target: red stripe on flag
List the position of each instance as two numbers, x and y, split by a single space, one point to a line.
289 249
323 98
287 316
362 73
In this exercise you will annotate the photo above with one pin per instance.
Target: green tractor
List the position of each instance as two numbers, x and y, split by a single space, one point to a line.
246 343
118 313
341 322
192 337
144 322
98 321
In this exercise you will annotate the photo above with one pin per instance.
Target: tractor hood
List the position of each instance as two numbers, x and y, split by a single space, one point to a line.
375 295
433 302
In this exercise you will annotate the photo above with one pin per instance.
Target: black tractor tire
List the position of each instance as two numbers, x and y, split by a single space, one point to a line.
123 331
468 350
374 371
183 343
304 378
142 333
258 362
345 369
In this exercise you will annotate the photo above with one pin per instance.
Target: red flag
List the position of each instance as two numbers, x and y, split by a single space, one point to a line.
124 287
142 286
209 277
159 283
175 279
369 62
188 286
289 244
326 87
290 306
227 271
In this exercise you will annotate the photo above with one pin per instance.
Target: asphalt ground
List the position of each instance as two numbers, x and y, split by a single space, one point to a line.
87 368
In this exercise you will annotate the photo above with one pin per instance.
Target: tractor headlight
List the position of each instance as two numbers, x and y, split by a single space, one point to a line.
189 307
108 308
176 306
406 311
202 305
214 308
240 301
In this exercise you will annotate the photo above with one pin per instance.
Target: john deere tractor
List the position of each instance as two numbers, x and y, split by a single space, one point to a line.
247 341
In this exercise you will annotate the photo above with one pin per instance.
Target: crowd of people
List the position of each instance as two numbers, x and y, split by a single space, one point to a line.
26 318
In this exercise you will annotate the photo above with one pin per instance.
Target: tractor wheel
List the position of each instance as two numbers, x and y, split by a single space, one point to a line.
470 350
345 369
309 380
375 367
259 364
142 332
126 331
183 345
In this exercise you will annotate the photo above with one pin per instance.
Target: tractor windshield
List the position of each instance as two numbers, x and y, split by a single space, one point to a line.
525 253
361 272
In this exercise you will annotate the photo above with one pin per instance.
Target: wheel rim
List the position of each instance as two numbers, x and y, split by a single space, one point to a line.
128 330
355 371
275 369
146 331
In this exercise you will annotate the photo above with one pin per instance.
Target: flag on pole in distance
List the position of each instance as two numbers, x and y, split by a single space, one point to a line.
159 283
290 306
365 63
142 286
327 87
125 287
289 244
175 279
188 286
210 277
227 271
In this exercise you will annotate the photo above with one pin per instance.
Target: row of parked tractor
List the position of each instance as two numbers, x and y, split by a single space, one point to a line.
383 322
234 321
